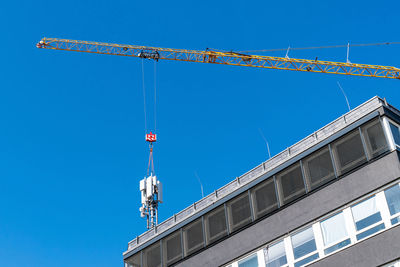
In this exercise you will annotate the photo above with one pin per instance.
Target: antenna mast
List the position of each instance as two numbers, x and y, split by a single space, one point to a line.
151 189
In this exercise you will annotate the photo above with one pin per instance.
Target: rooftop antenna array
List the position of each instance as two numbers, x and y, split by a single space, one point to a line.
151 189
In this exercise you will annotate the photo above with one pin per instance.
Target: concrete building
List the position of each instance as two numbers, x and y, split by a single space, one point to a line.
332 199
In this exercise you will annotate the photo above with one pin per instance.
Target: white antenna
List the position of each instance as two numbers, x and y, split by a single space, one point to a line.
347 101
266 142
287 53
201 185
151 190
348 52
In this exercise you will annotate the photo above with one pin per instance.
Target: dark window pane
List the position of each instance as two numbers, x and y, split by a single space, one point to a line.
318 168
306 260
291 184
371 231
239 212
375 138
172 248
215 224
349 152
133 261
396 133
249 262
393 199
264 198
193 237
152 256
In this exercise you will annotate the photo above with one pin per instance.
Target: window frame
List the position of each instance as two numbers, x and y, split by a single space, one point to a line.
340 170
329 245
306 169
270 208
284 200
309 254
397 125
273 244
371 226
396 215
209 239
234 227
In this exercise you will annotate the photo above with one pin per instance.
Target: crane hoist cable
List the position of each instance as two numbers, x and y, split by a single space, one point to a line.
150 137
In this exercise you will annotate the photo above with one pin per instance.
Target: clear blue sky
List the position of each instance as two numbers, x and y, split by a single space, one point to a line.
72 147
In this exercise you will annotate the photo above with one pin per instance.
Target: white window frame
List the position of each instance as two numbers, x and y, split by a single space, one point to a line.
386 126
309 254
390 217
348 229
285 246
372 225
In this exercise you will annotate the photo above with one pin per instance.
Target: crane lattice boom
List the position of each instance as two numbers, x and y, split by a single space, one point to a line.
225 58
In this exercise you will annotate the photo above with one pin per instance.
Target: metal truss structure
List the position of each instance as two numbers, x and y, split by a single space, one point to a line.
225 58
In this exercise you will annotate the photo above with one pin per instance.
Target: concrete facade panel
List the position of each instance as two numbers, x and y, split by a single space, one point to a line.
352 186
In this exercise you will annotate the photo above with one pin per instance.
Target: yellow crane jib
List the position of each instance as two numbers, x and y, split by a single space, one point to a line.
224 58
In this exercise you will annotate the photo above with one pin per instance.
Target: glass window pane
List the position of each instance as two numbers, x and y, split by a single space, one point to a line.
275 256
152 256
366 213
264 198
193 237
395 133
172 248
337 246
395 220
290 183
303 243
133 261
370 231
306 260
252 261
375 138
215 223
333 229
319 168
393 199
349 152
239 212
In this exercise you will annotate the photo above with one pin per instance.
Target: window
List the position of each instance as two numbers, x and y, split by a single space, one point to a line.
275 255
392 195
152 256
215 224
318 168
290 184
396 133
251 261
375 138
172 248
193 237
133 261
239 211
304 247
349 152
366 218
334 233
264 198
